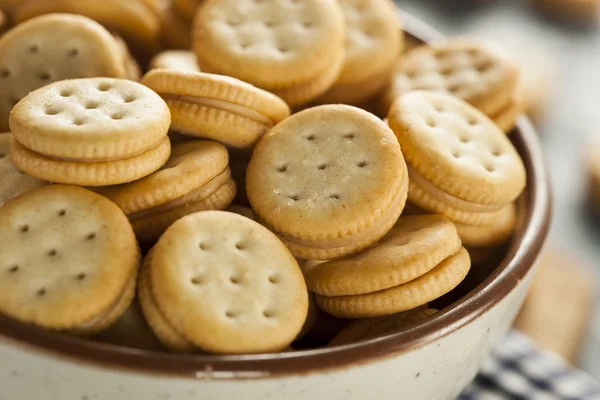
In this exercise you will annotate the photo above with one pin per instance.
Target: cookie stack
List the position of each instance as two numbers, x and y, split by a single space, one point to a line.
14 181
220 282
196 178
477 73
419 260
460 165
90 132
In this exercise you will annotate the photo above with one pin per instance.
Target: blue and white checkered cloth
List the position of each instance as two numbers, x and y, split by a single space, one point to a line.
520 370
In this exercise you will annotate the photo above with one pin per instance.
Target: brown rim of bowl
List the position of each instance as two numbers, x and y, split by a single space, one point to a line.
521 255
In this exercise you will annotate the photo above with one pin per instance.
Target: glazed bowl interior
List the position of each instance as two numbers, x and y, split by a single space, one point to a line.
483 288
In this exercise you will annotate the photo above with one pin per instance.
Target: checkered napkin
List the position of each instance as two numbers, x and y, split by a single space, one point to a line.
520 370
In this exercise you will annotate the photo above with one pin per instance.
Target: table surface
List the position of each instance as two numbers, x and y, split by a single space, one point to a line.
572 117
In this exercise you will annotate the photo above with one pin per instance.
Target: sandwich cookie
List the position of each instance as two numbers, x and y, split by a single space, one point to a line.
69 260
227 284
217 107
477 73
92 132
52 48
460 163
195 178
294 49
329 181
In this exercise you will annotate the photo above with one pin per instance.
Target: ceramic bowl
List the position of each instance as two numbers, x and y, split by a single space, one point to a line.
433 360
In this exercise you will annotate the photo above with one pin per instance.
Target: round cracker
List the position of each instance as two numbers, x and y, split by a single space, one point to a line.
68 255
285 42
412 248
481 74
51 48
102 173
326 173
227 284
457 149
217 107
14 181
93 119
437 282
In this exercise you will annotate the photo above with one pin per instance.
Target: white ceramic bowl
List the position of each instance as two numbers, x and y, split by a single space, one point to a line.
433 360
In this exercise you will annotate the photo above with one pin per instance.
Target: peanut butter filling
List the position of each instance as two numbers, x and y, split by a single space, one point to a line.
225 106
446 198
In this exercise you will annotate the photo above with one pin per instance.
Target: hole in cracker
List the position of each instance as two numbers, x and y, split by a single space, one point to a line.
472 121
62 213
308 24
240 246
66 92
116 116
431 122
52 253
447 70
13 269
41 292
244 46
25 228
362 164
483 66
439 108
235 280
4 73
73 52
196 280
91 236
322 166
283 50
34 48
230 314
465 139
334 196
44 76
51 111
274 278
310 137
497 152
92 105
104 86
78 121
282 168
269 24
129 99
456 154
80 276
454 88
490 168
202 246
294 197
233 23
269 313
349 136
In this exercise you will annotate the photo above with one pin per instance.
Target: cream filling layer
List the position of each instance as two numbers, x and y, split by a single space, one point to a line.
195 195
445 197
383 220
225 106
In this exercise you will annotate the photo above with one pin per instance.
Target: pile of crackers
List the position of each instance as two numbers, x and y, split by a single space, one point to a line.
282 167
